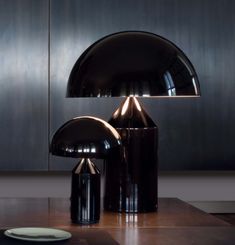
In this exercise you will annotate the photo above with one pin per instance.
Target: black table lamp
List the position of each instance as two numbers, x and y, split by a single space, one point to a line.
85 138
133 64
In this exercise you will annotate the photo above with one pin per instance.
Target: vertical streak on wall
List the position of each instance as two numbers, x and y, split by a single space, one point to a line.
49 64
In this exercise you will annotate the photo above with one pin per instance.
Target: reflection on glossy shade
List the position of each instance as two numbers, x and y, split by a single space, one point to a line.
133 63
85 137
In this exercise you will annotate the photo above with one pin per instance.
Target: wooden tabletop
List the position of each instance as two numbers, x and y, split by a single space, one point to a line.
175 222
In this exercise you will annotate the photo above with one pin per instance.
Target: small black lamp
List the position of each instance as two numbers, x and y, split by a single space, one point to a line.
85 137
133 64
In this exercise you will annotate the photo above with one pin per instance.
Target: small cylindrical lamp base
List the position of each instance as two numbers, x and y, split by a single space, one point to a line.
85 193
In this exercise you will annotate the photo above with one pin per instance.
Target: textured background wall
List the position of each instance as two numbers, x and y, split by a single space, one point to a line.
38 55
195 134
41 40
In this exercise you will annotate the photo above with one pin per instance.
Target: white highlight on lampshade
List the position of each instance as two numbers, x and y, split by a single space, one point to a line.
137 104
125 106
113 130
194 85
116 113
93 150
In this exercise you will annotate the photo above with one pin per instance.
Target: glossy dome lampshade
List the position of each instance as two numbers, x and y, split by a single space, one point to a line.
85 137
133 63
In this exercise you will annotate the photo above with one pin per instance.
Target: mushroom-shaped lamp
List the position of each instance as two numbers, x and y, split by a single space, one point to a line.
133 64
85 138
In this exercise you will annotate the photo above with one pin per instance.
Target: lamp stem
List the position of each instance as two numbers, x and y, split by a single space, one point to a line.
85 193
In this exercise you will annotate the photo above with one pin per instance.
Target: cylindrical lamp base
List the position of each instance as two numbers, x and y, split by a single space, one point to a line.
85 193
131 185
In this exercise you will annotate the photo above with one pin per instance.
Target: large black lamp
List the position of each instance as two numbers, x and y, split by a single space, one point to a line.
86 138
133 64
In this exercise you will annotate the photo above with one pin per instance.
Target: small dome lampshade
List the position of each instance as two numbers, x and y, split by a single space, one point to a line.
85 137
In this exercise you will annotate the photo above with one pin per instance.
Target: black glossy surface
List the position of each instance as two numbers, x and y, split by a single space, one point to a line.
85 193
131 184
133 63
131 114
85 137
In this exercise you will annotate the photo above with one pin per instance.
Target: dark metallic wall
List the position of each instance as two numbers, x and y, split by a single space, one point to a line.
23 84
195 134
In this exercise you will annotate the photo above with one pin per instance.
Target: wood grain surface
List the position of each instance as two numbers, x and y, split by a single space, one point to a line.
54 212
175 223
